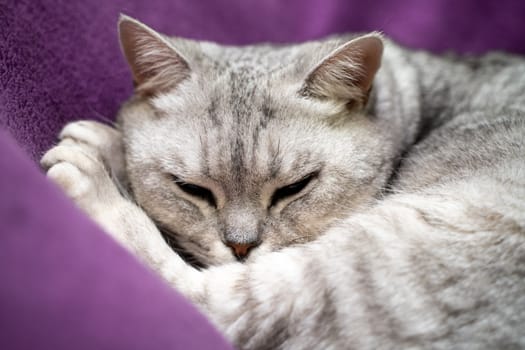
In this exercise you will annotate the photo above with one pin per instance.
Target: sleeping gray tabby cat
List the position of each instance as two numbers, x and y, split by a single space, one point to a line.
376 199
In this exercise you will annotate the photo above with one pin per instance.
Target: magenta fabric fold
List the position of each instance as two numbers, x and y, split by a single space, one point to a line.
67 285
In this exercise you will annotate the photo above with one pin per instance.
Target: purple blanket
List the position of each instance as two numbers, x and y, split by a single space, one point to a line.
63 283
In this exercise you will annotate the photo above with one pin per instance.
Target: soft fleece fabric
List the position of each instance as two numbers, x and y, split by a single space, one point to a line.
63 283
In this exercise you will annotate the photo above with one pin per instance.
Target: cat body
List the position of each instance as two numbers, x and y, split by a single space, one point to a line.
410 217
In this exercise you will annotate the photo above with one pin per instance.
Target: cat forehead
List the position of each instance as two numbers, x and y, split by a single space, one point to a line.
244 93
238 97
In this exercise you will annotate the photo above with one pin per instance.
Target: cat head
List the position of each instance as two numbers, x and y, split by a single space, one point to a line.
237 151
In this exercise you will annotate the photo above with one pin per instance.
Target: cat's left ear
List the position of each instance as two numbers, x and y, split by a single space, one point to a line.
347 73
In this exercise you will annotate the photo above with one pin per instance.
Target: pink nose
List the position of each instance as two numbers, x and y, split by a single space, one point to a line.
241 249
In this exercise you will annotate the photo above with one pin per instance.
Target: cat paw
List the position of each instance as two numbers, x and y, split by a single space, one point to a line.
102 139
77 166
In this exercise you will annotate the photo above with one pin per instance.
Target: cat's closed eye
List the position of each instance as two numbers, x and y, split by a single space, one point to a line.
292 189
195 190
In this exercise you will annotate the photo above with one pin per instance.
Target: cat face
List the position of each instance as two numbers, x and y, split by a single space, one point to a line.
240 151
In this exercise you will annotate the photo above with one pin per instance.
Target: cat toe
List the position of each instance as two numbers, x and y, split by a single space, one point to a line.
70 152
91 133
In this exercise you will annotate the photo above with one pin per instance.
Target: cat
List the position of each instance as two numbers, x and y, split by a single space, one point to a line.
374 195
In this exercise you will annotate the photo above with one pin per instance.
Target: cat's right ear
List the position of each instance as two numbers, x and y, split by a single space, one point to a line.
347 73
155 64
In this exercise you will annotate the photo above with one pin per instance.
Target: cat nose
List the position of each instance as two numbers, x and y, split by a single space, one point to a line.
241 250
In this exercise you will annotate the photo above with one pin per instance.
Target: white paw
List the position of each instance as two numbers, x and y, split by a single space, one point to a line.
79 164
102 139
